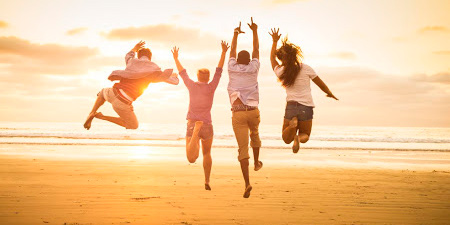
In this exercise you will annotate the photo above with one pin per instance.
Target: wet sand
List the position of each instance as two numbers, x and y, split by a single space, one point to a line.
140 185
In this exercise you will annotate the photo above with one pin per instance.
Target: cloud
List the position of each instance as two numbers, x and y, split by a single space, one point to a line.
430 29
44 52
76 31
441 52
373 98
23 56
3 24
343 55
443 78
168 35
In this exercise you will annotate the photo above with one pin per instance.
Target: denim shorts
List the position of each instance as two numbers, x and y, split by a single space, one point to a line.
206 131
295 109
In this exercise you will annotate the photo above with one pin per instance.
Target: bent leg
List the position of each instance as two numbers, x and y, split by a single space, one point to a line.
253 125
117 120
289 130
126 118
98 102
192 143
304 130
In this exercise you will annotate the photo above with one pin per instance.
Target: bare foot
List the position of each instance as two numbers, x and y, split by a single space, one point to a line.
198 125
293 123
99 115
258 165
87 124
207 187
296 145
248 189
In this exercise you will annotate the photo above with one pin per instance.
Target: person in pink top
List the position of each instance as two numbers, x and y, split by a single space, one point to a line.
295 77
199 126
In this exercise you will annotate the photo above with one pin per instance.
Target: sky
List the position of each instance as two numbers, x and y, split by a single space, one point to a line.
388 61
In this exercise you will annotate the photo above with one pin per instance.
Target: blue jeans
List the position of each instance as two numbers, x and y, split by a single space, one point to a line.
295 109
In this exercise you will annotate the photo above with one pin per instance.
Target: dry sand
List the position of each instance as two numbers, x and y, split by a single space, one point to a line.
107 185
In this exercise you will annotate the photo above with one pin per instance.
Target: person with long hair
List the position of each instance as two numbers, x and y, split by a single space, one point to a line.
295 77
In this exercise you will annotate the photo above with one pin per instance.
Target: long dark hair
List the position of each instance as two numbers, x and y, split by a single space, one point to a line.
291 57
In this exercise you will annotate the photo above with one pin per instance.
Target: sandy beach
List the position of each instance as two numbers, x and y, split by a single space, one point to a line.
54 184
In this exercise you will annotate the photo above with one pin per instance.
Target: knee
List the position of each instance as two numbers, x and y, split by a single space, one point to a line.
287 140
191 159
244 161
132 126
304 139
206 154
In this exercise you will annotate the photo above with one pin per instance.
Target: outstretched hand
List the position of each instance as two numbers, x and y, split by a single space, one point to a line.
238 29
225 46
252 26
175 52
139 46
275 35
332 96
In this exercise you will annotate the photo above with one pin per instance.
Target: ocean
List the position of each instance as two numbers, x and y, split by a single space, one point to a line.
172 135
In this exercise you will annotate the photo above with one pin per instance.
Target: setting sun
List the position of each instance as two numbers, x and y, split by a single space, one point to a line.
224 112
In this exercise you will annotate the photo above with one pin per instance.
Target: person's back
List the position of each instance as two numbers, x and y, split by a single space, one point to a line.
295 77
243 91
300 90
199 125
201 96
133 81
243 81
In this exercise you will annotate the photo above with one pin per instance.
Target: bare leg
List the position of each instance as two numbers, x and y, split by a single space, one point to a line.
193 146
244 167
304 130
207 161
99 102
258 164
289 130
256 154
117 120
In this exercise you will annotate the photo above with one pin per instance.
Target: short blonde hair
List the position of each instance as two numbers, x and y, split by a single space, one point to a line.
203 75
145 52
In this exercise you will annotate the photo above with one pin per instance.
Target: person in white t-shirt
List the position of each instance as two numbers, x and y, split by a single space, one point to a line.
244 99
295 77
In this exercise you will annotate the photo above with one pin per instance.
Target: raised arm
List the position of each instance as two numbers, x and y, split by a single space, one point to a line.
275 38
175 57
237 31
224 52
254 27
323 87
131 53
187 81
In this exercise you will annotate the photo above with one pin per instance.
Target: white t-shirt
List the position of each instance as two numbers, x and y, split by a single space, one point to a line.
243 82
300 91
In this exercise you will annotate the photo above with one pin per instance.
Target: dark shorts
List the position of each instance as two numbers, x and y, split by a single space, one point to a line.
302 112
206 132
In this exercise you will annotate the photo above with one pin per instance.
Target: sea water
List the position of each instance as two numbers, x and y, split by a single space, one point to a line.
322 137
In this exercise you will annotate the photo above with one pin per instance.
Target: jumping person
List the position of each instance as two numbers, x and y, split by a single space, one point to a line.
139 73
294 77
199 126
244 98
